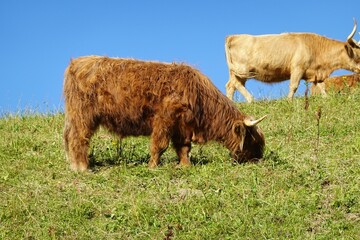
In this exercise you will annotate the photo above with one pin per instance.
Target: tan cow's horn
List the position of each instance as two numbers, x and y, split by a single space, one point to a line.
250 123
353 31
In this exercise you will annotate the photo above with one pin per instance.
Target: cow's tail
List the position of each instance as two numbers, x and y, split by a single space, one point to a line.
74 92
69 85
228 52
67 81
233 67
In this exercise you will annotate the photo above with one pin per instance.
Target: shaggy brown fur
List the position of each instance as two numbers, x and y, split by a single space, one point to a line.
167 101
338 84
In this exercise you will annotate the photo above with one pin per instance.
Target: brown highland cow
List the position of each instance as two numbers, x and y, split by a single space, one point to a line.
166 101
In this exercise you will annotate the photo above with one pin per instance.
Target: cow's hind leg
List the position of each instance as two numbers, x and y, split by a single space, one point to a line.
77 136
239 83
230 89
164 127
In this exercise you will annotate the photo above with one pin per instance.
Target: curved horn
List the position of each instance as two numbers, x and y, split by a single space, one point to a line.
250 123
353 31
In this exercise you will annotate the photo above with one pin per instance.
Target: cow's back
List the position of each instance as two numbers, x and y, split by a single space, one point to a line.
124 81
271 49
126 94
265 57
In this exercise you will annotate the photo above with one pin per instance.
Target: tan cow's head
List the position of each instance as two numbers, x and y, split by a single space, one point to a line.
353 49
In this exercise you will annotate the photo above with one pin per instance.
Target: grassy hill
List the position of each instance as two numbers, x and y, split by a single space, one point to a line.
307 185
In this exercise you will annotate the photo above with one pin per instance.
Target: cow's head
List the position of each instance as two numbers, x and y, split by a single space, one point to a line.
251 141
353 50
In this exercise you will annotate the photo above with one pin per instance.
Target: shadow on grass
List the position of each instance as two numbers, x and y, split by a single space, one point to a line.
270 157
95 162
199 156
130 157
200 160
273 158
120 155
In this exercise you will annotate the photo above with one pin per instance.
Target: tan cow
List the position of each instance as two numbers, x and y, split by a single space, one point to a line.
169 102
294 56
338 83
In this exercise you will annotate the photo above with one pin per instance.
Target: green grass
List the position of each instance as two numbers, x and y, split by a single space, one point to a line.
306 187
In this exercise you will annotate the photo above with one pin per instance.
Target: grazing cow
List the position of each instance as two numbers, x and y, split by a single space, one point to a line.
294 56
338 83
166 101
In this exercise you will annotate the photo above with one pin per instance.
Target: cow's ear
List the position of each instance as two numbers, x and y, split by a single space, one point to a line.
239 132
239 128
349 50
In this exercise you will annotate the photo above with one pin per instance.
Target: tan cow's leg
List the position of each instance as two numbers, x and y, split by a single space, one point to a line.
294 82
230 87
321 86
240 86
238 83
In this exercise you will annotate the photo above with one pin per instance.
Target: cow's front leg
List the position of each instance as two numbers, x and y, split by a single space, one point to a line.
182 150
159 143
160 139
294 82
183 154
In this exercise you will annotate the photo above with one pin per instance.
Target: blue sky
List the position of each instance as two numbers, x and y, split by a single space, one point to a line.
38 38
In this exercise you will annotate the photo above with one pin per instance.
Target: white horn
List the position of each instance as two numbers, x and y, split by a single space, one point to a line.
250 123
353 31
